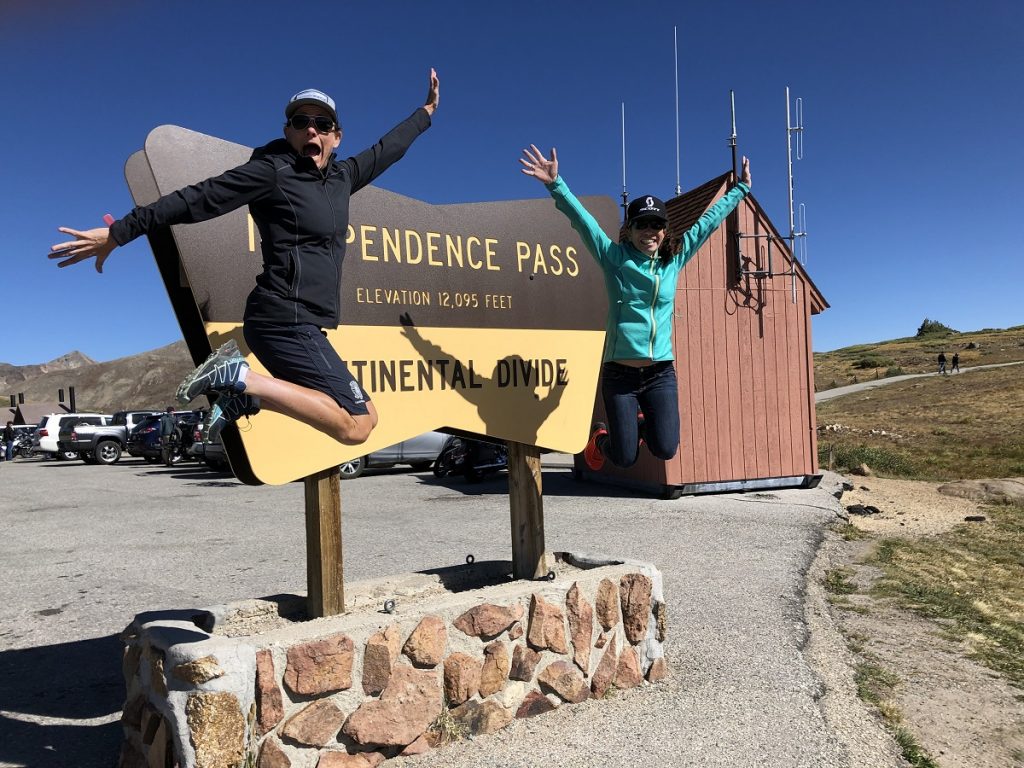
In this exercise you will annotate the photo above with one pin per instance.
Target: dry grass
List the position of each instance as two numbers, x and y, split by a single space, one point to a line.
912 355
936 428
969 578
448 730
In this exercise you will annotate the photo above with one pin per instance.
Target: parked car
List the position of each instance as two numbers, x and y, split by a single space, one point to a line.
101 444
144 441
45 440
203 449
418 452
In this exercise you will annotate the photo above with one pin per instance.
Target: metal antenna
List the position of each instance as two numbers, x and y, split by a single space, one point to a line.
675 50
791 129
798 130
797 238
625 196
732 138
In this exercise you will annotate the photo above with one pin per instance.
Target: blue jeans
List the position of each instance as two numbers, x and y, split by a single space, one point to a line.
9 450
628 390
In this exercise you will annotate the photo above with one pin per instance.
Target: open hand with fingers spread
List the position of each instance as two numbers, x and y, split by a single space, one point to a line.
87 243
745 173
541 168
433 93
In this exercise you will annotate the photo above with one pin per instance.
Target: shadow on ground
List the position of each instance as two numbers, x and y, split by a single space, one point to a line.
556 482
67 682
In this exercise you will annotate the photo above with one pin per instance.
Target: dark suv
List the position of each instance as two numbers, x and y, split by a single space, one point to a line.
144 440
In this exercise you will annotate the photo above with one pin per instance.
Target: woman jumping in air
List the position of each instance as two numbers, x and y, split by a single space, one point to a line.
298 194
640 275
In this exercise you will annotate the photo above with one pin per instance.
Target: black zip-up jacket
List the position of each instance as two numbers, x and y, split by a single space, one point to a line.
301 213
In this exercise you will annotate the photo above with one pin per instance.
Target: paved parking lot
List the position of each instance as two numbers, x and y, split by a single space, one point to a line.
87 547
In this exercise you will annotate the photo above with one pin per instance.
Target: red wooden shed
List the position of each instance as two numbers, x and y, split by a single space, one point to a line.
742 340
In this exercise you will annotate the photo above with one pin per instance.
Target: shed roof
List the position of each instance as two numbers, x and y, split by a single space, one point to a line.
685 209
33 414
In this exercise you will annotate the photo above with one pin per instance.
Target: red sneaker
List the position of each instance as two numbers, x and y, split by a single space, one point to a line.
592 454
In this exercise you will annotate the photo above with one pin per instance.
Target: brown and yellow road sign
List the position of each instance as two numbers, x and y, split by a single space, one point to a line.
481 317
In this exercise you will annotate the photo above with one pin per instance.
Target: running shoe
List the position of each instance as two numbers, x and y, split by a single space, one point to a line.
592 453
220 372
230 408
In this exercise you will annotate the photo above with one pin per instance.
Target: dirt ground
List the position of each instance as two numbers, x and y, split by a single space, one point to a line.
963 714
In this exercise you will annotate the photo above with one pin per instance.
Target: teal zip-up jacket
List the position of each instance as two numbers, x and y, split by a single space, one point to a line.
641 290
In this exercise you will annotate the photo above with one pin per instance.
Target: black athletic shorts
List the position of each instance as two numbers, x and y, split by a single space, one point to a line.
302 355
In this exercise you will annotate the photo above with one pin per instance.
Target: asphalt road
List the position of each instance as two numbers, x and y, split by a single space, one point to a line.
829 394
85 548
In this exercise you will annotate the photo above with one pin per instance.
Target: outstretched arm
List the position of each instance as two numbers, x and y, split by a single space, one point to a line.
545 170
188 205
87 244
541 168
373 161
698 234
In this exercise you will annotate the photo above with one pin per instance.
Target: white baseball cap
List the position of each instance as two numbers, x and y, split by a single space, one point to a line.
314 97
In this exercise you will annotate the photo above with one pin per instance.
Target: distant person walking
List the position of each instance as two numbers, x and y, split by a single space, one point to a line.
956 363
298 195
8 442
168 432
942 362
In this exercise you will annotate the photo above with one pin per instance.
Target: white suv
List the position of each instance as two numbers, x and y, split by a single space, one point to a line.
45 439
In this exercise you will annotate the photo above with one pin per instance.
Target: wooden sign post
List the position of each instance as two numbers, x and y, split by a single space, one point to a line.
325 563
526 503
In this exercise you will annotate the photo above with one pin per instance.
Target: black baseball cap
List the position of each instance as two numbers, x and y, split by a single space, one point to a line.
646 207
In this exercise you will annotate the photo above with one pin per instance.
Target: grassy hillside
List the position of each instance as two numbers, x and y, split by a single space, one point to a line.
968 425
915 355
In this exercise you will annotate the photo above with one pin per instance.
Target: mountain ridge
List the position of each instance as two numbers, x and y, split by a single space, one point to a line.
150 379
143 381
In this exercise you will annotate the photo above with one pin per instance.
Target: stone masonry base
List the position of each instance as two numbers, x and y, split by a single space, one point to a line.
463 651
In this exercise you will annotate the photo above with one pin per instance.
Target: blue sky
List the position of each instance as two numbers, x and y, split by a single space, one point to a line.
912 111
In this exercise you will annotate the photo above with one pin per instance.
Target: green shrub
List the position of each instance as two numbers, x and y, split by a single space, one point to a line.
874 361
878 459
934 328
893 370
913 752
838 582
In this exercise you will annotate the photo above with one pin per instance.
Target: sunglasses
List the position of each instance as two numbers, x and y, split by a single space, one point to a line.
302 122
649 224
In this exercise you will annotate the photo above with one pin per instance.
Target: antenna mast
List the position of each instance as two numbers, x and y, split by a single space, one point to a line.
675 51
625 196
797 130
732 138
